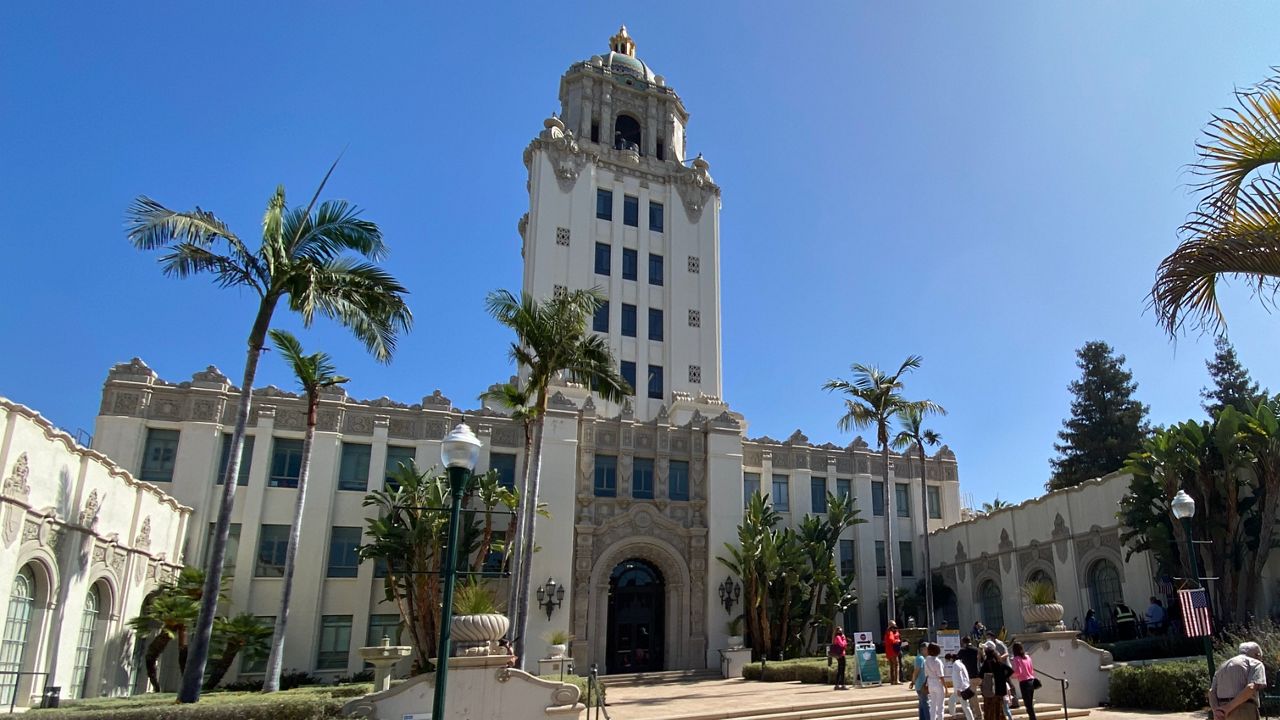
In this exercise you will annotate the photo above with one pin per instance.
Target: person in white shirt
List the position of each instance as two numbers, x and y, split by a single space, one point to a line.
1155 617
933 675
959 684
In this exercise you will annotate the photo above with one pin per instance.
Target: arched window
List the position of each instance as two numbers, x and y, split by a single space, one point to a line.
13 645
992 608
626 134
84 644
1040 576
1104 588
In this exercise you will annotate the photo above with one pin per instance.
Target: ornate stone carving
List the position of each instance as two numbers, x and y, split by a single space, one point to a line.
131 370
166 407
143 541
1061 533
504 436
30 530
126 403
89 513
437 400
696 188
13 516
798 438
15 485
561 402
727 420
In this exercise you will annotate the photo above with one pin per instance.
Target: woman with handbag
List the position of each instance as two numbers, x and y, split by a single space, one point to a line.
961 693
1025 673
838 645
995 684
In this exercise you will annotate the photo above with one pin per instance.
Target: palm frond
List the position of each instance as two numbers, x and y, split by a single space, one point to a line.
1238 142
334 229
187 258
150 225
361 296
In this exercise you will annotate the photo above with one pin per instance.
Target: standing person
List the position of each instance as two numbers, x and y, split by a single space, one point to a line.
1092 629
961 693
1002 654
893 652
1125 620
918 682
1025 673
1233 694
838 645
971 659
995 684
979 631
1155 617
934 685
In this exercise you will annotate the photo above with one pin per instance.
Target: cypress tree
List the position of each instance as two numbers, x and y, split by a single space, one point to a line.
1106 422
1232 386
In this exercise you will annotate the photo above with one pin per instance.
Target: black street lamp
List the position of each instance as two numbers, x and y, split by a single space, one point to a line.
550 596
458 452
1184 508
730 591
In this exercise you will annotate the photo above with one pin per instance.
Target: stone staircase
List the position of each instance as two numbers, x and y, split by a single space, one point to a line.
665 677
850 708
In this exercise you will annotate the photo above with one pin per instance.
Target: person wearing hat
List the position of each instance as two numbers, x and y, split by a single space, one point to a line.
893 652
1233 695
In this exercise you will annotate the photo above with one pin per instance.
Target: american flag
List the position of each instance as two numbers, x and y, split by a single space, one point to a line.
1195 612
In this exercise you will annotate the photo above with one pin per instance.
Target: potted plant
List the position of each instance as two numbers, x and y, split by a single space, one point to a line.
1040 608
559 640
734 628
478 620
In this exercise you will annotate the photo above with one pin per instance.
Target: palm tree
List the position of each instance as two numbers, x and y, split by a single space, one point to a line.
996 504
874 400
515 397
168 613
553 339
914 434
242 634
303 260
315 373
1235 230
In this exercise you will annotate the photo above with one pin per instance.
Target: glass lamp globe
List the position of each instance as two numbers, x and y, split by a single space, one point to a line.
1183 505
460 448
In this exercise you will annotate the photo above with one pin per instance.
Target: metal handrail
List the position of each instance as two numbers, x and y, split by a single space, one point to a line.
1065 684
13 701
594 689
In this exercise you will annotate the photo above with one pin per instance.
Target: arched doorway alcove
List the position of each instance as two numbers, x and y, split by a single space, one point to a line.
635 630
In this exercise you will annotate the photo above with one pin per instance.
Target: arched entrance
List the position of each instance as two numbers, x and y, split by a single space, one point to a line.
637 596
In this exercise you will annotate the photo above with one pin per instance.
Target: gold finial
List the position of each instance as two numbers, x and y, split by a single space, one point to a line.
622 43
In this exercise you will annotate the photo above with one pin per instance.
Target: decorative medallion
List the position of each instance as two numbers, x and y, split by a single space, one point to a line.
15 486
90 512
143 541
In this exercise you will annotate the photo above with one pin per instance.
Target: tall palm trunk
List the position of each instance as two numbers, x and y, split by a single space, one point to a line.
275 662
154 649
193 675
891 603
220 666
528 519
924 521
513 541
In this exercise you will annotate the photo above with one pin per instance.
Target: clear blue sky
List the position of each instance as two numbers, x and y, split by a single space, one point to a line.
989 185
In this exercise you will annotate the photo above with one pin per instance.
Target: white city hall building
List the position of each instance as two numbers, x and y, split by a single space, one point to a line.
643 496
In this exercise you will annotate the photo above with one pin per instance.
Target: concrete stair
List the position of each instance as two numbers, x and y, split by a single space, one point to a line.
844 707
665 677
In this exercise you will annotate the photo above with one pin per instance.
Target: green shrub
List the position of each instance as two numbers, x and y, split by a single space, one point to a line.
1169 687
581 682
811 670
1154 648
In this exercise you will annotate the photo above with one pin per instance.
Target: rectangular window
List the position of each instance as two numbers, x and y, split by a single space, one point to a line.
492 565
273 543
630 211
398 456
655 269
844 488
246 457
628 320
353 473
606 484
505 464
383 625
655 382
604 204
935 502
655 212
604 257
907 559
902 498
628 371
678 480
286 463
160 455
233 547
879 558
642 478
750 486
818 493
847 558
335 642
655 324
877 498
600 320
257 662
630 261
781 494
343 560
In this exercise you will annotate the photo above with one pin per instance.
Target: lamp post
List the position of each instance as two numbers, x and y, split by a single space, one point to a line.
458 452
1184 508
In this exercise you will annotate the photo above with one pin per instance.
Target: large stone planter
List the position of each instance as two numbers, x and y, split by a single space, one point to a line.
735 642
1043 618
474 634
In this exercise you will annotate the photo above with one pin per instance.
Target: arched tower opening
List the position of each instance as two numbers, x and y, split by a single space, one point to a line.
627 134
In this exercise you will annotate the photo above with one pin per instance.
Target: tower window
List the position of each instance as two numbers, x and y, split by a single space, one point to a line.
630 211
628 371
604 204
603 258
655 216
655 382
595 130
655 324
628 320
630 259
661 150
626 134
600 322
655 269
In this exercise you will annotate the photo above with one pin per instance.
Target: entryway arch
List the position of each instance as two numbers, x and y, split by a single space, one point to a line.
634 639
656 556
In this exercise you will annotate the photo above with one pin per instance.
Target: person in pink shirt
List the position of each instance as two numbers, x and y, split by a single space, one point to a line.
1024 673
838 645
